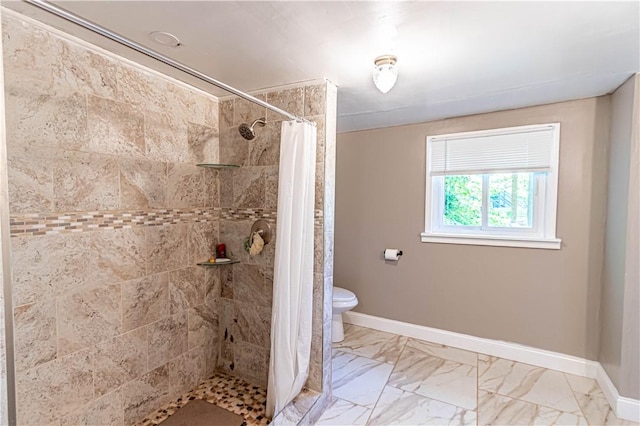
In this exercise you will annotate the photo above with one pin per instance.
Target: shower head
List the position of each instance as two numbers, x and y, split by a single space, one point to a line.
247 131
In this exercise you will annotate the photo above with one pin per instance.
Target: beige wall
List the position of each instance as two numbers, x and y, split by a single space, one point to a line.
620 340
543 298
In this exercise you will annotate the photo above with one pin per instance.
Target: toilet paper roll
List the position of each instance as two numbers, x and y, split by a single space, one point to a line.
391 254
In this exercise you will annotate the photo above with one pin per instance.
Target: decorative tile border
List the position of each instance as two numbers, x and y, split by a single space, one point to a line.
225 391
32 224
248 214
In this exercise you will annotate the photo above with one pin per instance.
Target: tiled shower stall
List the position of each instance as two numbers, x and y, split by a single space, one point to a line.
110 214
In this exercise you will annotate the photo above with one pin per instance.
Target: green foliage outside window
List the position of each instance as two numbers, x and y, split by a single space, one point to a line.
509 201
463 200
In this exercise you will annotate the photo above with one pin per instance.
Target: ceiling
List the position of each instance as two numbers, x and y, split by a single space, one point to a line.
454 58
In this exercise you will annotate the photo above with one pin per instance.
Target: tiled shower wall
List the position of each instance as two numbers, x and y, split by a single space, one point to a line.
109 215
3 358
250 193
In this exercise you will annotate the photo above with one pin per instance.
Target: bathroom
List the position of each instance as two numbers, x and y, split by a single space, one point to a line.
109 216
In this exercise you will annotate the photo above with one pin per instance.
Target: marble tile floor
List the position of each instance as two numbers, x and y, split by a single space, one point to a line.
225 391
385 379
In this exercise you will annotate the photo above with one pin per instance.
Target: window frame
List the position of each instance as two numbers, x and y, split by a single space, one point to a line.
543 234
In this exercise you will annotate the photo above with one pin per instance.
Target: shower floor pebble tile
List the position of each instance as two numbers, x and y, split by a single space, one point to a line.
225 391
381 379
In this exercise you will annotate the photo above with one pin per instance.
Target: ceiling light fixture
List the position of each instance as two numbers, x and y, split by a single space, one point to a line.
385 72
164 38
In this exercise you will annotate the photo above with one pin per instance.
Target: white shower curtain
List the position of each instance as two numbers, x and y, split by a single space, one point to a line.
293 270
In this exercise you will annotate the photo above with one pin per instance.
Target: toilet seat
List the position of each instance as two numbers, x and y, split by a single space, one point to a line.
342 295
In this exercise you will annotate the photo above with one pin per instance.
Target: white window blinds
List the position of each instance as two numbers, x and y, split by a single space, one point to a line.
522 149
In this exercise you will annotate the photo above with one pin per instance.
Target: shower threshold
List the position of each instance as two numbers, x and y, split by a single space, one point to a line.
225 391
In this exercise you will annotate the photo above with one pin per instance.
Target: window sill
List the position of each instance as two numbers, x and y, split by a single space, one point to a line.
486 240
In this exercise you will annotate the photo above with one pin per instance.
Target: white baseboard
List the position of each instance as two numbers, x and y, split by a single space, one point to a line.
507 350
625 408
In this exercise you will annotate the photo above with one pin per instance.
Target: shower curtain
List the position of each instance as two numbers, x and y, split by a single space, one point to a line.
293 270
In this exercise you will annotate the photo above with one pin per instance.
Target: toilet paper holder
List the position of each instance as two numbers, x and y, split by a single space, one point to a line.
392 255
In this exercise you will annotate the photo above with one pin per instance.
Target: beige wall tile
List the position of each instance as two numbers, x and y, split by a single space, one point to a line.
185 186
226 114
30 173
106 410
96 75
191 103
212 183
167 247
202 240
165 137
226 188
167 339
87 317
115 128
211 354
55 389
319 198
45 266
226 283
250 363
35 119
120 360
213 284
234 149
212 113
271 187
187 371
35 334
146 394
228 327
290 100
29 56
316 365
320 138
248 188
254 324
318 250
315 100
203 324
144 90
246 112
145 300
264 150
85 181
250 287
143 184
201 141
233 233
186 288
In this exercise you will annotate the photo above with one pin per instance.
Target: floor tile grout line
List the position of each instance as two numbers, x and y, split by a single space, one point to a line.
573 393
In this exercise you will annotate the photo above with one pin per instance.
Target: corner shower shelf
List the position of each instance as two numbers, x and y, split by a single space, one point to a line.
207 263
217 166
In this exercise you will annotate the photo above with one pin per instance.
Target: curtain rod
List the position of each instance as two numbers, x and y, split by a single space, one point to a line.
92 26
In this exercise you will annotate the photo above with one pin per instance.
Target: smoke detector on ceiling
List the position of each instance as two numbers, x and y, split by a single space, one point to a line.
164 38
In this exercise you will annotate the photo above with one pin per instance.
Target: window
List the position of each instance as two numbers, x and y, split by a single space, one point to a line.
494 187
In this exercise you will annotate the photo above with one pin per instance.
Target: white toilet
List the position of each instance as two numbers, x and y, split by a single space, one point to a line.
343 300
